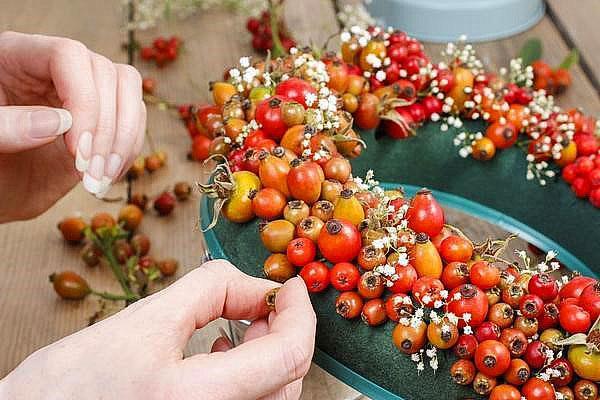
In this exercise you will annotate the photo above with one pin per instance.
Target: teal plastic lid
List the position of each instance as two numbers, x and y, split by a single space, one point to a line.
447 20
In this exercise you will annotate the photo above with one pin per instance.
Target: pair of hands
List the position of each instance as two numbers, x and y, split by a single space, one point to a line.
66 114
138 353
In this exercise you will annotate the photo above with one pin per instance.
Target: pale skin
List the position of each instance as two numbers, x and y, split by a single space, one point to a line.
66 114
138 352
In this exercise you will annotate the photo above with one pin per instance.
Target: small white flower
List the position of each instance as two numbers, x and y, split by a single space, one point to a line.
245 62
466 317
415 357
433 363
467 330
310 98
452 318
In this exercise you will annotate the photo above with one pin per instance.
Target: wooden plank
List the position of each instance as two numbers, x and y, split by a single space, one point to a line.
578 23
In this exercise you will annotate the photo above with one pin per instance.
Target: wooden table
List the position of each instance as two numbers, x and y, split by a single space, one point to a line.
31 316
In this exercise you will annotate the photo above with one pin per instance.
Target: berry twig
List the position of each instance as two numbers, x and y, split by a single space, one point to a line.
275 10
104 240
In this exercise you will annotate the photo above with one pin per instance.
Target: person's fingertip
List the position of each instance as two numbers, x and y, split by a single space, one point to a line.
49 122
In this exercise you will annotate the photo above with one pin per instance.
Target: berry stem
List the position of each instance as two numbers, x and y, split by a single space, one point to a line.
114 297
274 14
105 244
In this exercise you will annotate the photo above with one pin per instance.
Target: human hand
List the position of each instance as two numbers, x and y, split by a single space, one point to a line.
50 86
138 353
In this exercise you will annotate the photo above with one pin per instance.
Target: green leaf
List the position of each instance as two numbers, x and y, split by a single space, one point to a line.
531 51
571 59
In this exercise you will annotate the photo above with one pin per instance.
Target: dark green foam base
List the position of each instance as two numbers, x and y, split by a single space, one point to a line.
431 160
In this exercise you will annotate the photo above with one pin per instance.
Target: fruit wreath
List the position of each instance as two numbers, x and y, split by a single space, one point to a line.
283 132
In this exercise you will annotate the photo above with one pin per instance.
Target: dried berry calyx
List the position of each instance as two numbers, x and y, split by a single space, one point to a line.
333 226
422 238
270 298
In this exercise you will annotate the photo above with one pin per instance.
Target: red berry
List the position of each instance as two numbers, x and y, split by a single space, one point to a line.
171 53
147 53
160 43
595 197
397 52
252 25
165 203
594 177
418 112
584 165
432 105
586 144
544 286
581 187
569 173
174 41
148 85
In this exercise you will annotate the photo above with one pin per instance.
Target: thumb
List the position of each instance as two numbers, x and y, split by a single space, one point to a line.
24 128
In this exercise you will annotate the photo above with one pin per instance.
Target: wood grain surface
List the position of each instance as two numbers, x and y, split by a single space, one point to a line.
31 316
578 22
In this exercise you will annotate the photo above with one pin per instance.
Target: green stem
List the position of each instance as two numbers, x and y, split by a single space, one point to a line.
274 10
114 297
116 269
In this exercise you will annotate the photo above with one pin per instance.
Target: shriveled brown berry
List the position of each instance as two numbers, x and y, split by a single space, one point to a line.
182 191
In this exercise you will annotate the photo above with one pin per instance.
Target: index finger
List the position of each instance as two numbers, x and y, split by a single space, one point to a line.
265 364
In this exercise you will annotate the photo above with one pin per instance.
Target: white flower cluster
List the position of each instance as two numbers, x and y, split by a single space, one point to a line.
464 54
246 130
356 35
355 15
323 111
538 170
247 77
368 182
419 358
519 74
542 105
465 141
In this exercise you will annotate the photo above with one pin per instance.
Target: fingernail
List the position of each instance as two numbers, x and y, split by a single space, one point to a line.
91 184
104 187
50 122
84 150
92 179
96 168
113 165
